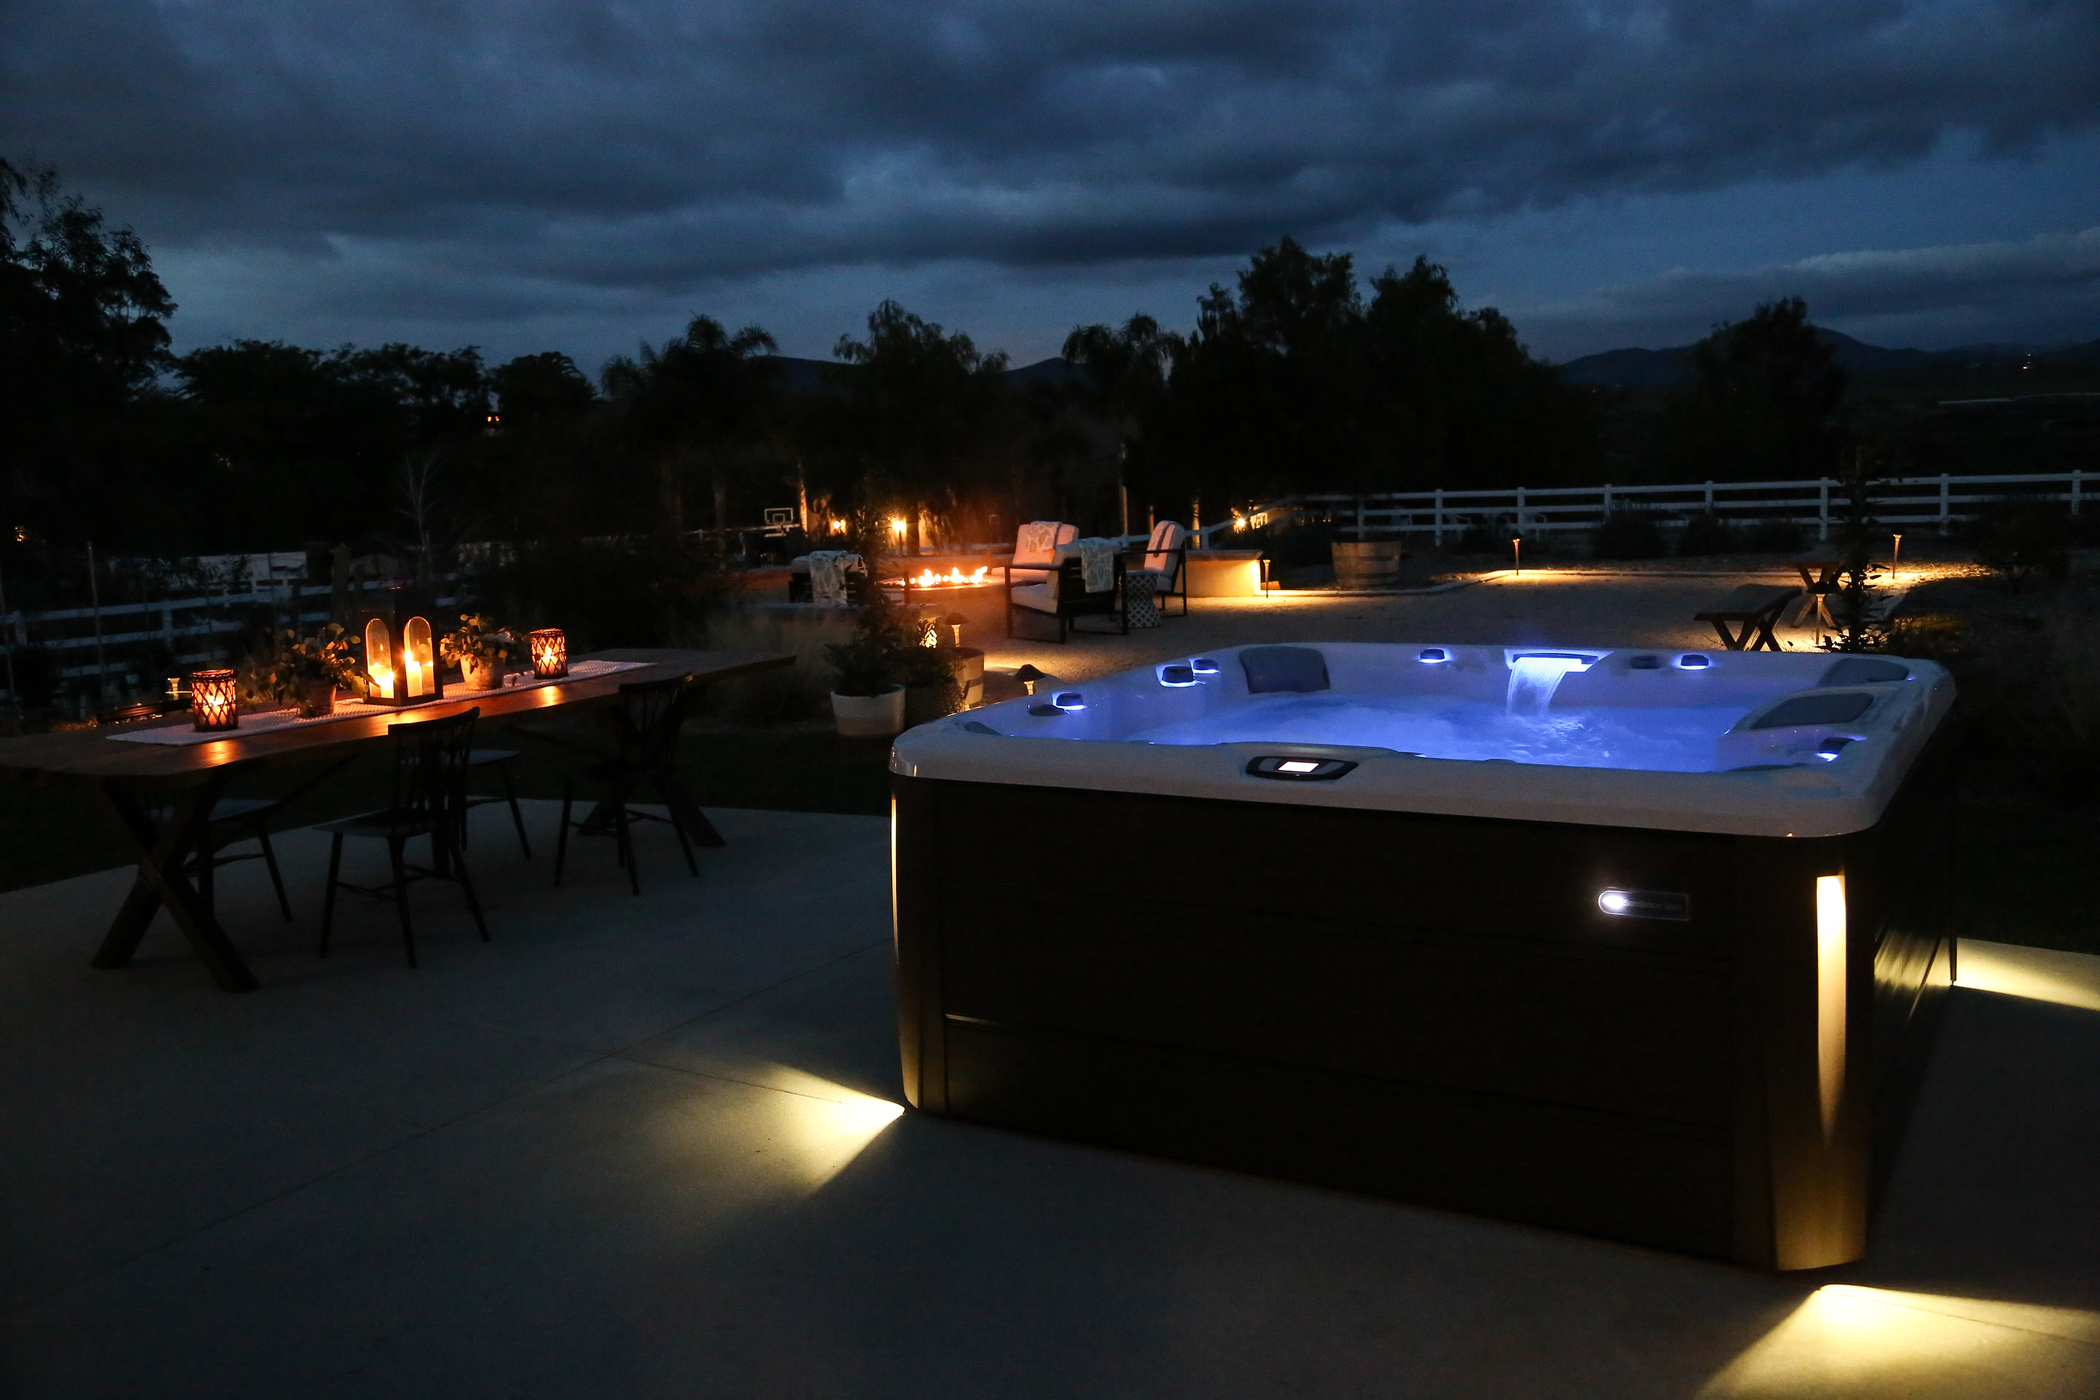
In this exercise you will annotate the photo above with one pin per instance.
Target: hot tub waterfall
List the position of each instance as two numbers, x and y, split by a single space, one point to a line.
1533 679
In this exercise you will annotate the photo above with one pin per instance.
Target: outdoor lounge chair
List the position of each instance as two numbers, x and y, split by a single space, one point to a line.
1063 592
1166 561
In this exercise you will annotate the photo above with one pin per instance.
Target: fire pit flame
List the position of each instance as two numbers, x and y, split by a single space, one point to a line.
954 577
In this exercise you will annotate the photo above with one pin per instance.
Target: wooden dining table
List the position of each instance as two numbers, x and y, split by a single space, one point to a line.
161 794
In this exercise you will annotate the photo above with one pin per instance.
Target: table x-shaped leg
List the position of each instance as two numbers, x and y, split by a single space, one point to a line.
162 850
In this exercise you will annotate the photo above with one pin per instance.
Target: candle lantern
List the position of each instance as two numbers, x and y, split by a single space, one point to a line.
214 700
550 653
400 663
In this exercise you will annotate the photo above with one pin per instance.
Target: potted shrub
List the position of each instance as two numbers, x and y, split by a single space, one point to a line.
867 694
479 648
305 671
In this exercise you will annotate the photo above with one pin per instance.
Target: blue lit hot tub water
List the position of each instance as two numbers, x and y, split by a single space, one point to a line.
1525 727
1780 744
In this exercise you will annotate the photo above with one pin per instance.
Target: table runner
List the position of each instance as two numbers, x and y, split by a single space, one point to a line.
268 721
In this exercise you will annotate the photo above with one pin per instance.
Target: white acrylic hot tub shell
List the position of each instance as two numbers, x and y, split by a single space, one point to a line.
1804 798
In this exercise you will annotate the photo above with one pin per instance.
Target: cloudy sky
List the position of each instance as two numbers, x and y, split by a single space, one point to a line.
535 174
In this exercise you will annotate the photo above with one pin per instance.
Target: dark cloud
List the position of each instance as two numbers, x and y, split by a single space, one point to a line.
655 147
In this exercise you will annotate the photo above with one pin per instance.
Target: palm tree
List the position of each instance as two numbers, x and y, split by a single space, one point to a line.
927 411
701 397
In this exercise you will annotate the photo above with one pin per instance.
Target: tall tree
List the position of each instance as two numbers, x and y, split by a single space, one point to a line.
1762 404
700 400
82 335
927 412
1125 379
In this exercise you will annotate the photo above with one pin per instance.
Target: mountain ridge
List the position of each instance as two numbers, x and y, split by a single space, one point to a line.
1636 368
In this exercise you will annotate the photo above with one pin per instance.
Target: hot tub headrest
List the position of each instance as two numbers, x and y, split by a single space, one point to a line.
1816 709
1283 668
1864 670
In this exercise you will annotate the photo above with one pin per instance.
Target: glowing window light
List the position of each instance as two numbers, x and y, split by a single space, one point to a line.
1830 997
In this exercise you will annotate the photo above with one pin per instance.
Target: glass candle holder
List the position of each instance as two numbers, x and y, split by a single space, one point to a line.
550 653
214 700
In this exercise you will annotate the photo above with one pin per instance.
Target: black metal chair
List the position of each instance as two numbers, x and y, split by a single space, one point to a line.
646 727
500 760
234 819
430 767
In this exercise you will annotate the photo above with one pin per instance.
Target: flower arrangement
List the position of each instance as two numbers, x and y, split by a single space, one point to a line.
480 648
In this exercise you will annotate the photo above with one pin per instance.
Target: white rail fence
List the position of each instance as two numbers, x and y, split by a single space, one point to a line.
1937 502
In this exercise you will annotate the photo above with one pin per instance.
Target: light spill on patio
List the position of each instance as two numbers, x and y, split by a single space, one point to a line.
813 1127
1845 1341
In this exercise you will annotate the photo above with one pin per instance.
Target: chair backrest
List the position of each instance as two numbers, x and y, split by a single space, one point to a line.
1036 542
430 764
1163 552
651 717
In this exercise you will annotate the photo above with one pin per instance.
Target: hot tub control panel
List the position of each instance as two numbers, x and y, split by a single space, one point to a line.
1295 768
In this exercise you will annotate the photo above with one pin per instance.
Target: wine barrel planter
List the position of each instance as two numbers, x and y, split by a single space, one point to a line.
1370 564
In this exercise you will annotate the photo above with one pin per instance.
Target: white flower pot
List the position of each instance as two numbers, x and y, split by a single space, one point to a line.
869 716
476 674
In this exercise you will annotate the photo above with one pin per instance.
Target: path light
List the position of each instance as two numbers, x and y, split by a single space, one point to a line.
1516 547
1028 676
1896 560
954 623
898 526
550 653
214 700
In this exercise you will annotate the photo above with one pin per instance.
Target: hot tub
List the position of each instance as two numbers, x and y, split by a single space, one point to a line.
1644 944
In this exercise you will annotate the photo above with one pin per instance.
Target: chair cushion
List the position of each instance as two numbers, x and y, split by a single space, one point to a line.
1037 541
1039 597
1031 576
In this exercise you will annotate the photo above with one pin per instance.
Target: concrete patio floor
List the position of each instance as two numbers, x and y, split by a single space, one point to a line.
651 1147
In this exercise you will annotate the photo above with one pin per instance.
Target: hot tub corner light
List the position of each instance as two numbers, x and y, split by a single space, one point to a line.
1177 676
1693 661
1430 656
1204 666
1069 700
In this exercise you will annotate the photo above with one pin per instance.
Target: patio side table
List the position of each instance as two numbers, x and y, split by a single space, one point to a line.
1140 597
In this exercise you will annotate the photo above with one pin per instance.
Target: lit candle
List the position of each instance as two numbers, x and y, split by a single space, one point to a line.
413 674
383 681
